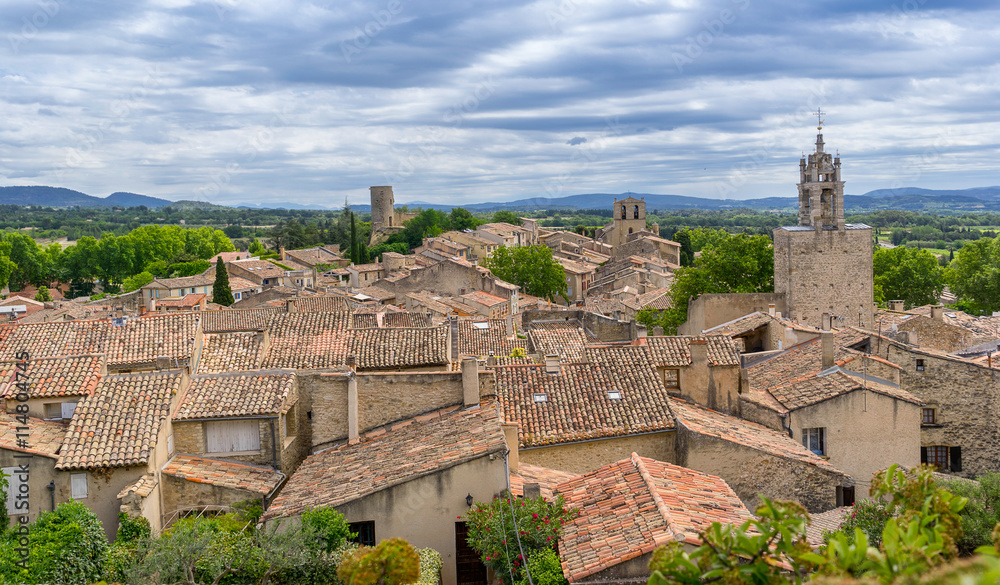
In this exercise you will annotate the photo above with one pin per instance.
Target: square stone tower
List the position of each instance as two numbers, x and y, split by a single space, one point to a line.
629 217
823 265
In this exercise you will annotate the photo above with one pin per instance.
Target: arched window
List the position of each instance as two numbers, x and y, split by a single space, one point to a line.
390 221
635 212
624 215
630 230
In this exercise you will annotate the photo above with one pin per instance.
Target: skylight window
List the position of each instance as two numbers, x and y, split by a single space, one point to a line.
540 397
614 395
481 325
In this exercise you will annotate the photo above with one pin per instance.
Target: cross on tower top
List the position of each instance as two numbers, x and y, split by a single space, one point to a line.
819 118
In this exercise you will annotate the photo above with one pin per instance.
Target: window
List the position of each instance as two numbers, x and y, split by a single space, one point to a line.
624 214
540 397
920 365
614 395
232 436
14 482
635 212
929 416
812 439
53 411
365 532
943 457
672 379
78 484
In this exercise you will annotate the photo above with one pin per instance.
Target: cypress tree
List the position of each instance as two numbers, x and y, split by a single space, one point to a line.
355 254
221 293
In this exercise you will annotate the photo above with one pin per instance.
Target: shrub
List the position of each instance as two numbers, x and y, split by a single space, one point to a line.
68 545
500 530
545 569
868 515
982 512
430 566
392 562
132 528
328 528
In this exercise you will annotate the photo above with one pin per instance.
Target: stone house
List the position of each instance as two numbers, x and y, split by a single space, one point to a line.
476 247
409 479
177 288
958 430
507 234
452 278
577 417
314 257
259 272
487 305
703 369
631 507
187 303
763 332
441 247
56 384
579 276
935 330
363 275
838 408
755 460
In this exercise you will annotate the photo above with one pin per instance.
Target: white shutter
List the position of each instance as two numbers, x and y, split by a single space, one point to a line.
231 436
13 486
68 408
78 484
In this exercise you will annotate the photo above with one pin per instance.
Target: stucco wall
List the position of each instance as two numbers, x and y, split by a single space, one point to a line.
865 432
825 271
424 511
717 387
586 456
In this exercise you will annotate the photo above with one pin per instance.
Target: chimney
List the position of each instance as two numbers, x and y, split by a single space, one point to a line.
897 305
532 491
264 341
510 436
826 339
640 331
352 407
826 322
699 352
470 381
281 254
510 325
551 363
162 362
937 312
658 331
770 309
290 306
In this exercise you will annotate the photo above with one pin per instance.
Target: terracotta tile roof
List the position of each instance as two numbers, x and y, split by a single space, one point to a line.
799 360
631 507
484 298
814 388
480 337
308 340
580 402
742 325
188 300
389 456
563 338
364 320
50 377
230 352
603 305
224 474
44 438
710 423
658 299
547 479
206 278
142 486
238 319
949 335
622 357
117 426
371 267
238 283
828 521
674 351
400 347
320 304
406 319
377 292
236 394
261 268
137 341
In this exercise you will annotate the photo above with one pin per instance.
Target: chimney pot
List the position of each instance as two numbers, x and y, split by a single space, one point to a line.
937 312
826 339
552 363
770 309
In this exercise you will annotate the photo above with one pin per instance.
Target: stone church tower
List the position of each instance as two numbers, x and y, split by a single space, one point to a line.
823 265
629 217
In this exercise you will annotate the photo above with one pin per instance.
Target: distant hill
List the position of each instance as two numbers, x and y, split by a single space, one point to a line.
61 197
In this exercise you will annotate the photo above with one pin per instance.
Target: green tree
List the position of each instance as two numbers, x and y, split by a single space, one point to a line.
136 282
974 276
221 293
462 219
737 264
43 295
392 562
982 513
504 216
67 545
530 267
911 274
683 238
355 253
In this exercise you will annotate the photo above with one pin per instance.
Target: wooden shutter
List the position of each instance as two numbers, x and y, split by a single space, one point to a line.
230 436
67 409
13 485
78 484
955 457
923 454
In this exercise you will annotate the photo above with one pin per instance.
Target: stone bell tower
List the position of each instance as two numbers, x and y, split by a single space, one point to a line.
824 265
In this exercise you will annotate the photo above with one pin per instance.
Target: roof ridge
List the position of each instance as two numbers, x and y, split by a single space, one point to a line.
675 531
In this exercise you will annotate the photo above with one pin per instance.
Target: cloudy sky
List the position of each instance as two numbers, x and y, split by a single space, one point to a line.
452 101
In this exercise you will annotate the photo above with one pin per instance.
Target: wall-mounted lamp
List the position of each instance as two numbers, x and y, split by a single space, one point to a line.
468 500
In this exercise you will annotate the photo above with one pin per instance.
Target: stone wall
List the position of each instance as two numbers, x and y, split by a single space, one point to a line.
710 310
825 271
752 473
586 456
451 278
189 437
605 328
965 395
639 244
382 398
181 494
